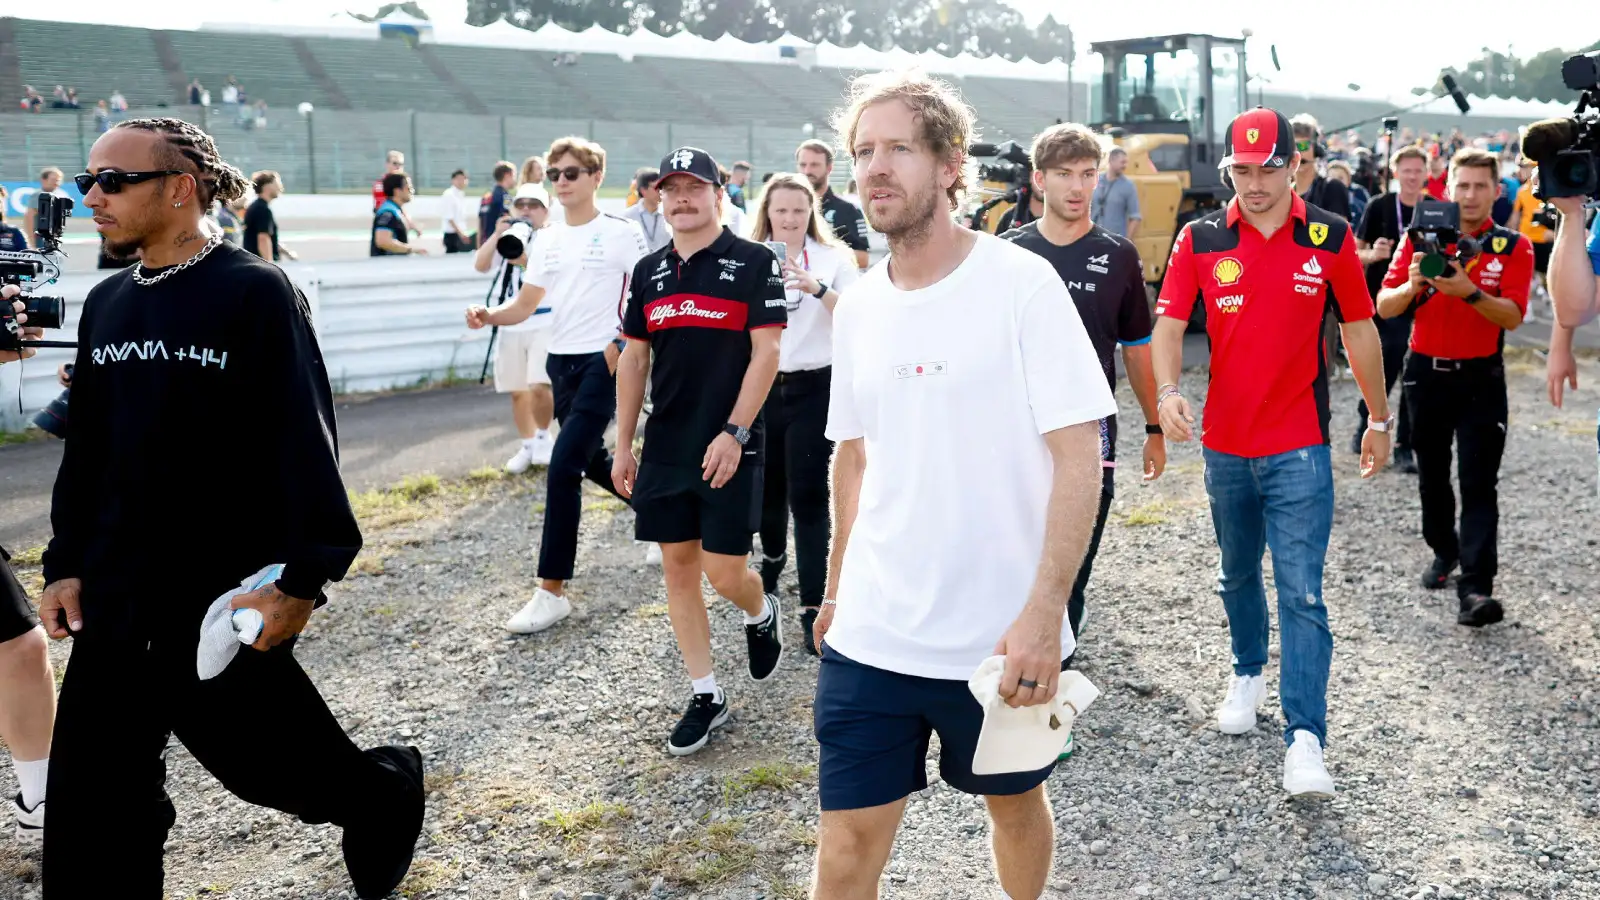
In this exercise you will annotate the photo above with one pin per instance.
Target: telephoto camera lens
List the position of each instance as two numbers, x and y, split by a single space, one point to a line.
45 312
514 242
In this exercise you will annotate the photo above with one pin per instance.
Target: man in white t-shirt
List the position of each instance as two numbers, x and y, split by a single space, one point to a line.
949 545
460 214
584 264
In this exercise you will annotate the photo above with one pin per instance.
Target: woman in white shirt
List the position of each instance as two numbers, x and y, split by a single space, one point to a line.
816 269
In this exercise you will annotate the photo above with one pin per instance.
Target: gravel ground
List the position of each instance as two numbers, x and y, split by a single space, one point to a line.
1466 761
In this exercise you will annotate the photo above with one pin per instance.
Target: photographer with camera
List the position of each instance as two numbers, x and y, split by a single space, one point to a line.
1465 279
201 343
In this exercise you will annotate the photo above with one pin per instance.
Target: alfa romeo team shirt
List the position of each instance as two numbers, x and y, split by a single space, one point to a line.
697 315
1264 300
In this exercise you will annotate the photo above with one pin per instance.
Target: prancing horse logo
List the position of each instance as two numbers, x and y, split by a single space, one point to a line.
1251 135
681 159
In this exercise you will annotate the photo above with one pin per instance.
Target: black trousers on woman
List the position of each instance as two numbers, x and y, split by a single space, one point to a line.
798 456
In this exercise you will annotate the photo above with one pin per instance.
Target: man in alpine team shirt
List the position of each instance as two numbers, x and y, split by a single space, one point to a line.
1267 267
949 546
703 321
814 159
583 263
1102 272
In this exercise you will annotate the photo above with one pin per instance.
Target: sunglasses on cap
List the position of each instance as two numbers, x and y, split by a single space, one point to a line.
527 203
112 182
570 173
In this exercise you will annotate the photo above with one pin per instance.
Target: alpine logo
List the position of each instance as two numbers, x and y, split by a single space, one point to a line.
696 310
1097 264
1102 259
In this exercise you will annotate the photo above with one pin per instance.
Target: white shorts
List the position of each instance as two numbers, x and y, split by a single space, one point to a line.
519 360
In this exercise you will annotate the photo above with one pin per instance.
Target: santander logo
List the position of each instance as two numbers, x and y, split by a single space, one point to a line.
665 311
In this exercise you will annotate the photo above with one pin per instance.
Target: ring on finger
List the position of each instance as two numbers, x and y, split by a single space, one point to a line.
1027 683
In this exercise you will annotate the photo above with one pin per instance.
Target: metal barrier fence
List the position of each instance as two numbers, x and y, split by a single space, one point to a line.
340 150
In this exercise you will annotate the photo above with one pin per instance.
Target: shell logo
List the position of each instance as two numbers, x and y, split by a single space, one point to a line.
1227 270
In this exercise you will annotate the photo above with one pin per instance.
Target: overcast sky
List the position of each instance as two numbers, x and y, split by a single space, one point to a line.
1319 45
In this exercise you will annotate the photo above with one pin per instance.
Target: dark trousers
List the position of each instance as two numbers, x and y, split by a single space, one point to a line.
585 394
455 243
260 728
798 455
1396 337
1464 403
1075 603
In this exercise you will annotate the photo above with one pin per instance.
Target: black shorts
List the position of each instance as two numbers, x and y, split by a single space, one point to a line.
1541 256
674 504
16 613
455 243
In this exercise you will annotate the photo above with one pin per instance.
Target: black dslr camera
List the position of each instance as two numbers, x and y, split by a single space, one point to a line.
1435 234
1567 151
33 269
1012 167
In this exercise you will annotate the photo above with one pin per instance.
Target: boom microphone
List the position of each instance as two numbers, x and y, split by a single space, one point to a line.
1455 93
983 148
1548 137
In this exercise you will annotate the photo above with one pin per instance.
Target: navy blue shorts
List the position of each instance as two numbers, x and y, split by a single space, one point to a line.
874 726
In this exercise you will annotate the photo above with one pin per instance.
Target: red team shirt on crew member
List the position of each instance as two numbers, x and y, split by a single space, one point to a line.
1448 327
1265 300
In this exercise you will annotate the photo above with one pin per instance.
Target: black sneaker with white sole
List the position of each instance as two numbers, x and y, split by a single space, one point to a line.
765 641
705 713
30 822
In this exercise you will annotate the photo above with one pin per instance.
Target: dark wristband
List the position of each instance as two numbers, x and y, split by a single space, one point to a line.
1476 296
1153 429
822 289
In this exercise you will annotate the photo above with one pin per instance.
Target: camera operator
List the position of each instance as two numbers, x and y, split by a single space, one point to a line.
1020 214
203 342
1382 226
1455 381
1325 193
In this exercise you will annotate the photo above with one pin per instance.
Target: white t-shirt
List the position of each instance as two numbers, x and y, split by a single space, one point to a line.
459 207
807 342
950 527
584 271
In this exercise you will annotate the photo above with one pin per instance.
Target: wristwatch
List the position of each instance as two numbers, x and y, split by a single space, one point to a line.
1153 429
822 290
1384 426
1476 295
740 434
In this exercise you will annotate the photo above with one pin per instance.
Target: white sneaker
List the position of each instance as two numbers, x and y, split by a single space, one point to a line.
518 464
1304 774
544 610
30 822
1237 714
652 554
543 446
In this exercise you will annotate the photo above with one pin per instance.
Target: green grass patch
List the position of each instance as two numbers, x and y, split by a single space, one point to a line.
486 475
33 556
605 504
21 437
777 777
715 855
651 611
574 823
1153 512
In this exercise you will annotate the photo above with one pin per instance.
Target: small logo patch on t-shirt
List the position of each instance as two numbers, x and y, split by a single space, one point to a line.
920 369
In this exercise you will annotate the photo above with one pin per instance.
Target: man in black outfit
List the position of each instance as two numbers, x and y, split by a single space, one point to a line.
260 227
1104 277
202 342
1382 226
814 159
1313 187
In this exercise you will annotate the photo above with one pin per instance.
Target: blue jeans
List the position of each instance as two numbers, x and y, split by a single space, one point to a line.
1284 502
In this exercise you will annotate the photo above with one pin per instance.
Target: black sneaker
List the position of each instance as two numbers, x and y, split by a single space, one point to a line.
1437 574
1355 442
765 641
377 852
770 570
1405 460
1478 611
808 624
694 729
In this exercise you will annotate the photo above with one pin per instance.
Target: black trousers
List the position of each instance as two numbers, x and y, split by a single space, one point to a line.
260 728
1076 603
797 458
1395 334
585 394
1464 403
455 243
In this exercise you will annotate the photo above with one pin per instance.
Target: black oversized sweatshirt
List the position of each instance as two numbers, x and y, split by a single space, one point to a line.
200 446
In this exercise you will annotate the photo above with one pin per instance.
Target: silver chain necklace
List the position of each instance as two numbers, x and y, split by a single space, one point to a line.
147 281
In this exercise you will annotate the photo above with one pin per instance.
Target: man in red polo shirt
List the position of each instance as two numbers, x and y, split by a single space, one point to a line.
1267 267
1455 381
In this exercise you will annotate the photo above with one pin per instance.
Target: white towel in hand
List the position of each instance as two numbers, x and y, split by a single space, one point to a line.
223 630
1023 739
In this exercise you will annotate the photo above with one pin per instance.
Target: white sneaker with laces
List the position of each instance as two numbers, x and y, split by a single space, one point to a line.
1237 714
544 610
652 554
30 822
520 463
543 447
1304 774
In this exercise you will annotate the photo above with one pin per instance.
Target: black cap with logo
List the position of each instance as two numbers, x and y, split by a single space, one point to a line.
691 161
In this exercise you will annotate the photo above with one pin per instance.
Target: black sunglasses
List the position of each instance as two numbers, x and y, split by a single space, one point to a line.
112 182
571 173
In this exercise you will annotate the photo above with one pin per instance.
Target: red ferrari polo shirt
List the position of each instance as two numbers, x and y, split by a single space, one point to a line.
1448 327
1265 299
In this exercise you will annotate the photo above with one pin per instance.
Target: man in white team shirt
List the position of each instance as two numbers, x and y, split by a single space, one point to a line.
949 546
584 264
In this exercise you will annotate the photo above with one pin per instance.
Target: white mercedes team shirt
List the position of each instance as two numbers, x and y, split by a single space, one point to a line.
950 525
584 270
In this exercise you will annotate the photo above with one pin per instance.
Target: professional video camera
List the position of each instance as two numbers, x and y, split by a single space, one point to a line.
1012 167
33 269
1435 234
1567 151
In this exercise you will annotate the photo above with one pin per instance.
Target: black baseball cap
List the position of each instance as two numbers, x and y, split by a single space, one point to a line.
1258 137
691 161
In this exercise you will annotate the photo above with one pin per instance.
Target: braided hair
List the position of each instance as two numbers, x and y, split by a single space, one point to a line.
187 146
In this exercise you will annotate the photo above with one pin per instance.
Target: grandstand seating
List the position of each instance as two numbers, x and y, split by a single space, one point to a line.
265 64
383 75
95 59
